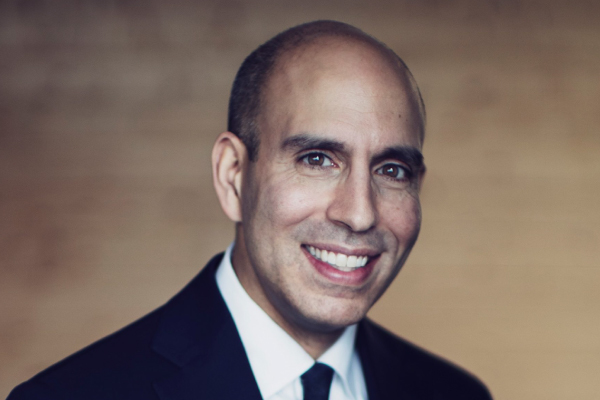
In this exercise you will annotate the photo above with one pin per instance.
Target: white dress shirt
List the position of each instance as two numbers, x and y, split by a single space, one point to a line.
277 360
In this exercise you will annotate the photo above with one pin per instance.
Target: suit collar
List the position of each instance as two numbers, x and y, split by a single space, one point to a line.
385 371
195 328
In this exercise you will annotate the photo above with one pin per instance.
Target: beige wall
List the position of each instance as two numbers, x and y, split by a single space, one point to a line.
108 113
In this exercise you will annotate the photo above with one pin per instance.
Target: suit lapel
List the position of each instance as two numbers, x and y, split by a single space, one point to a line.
198 334
383 370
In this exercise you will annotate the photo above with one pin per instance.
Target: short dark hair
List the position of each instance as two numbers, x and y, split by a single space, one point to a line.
246 98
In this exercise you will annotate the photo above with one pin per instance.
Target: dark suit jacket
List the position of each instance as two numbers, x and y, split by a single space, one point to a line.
190 349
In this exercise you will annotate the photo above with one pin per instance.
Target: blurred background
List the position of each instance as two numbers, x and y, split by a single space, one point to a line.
109 109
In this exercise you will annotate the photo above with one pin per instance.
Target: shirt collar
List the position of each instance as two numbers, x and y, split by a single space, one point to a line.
275 357
339 355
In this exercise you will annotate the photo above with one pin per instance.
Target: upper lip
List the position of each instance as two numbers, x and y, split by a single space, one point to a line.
344 250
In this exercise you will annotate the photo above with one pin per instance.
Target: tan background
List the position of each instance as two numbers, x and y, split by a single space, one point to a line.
108 111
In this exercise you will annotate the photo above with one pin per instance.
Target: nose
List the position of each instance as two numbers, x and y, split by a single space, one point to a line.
354 203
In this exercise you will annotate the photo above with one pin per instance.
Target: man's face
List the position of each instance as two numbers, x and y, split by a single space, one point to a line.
330 208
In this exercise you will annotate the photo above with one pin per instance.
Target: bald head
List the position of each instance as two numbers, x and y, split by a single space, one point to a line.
296 47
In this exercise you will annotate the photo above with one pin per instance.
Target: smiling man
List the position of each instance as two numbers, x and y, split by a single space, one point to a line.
320 170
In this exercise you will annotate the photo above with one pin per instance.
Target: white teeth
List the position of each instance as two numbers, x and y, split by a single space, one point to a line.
341 261
331 258
351 262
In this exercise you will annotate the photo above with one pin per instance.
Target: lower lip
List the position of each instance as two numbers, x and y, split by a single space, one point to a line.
350 278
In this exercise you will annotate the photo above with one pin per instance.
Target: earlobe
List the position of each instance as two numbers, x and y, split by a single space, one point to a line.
229 156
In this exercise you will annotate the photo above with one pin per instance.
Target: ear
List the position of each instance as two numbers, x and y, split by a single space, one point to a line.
229 157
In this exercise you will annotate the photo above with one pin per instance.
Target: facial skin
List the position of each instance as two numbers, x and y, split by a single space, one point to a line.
338 169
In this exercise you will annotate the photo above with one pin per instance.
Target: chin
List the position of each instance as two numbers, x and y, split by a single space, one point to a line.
333 315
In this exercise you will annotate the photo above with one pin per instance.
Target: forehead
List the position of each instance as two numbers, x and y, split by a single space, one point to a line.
346 89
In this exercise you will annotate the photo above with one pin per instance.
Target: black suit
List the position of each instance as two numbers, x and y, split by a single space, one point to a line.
190 349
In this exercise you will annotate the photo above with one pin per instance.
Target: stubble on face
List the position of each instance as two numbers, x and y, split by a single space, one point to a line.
341 91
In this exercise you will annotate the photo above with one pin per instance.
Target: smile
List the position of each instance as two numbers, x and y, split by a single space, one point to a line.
340 261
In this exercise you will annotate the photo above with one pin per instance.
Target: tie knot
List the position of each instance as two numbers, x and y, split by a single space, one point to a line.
316 382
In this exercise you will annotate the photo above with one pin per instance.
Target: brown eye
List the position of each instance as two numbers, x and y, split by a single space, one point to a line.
317 160
394 171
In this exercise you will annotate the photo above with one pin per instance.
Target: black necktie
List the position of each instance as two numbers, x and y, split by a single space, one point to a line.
317 382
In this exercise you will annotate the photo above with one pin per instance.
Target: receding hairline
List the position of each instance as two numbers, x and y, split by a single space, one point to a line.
290 54
248 94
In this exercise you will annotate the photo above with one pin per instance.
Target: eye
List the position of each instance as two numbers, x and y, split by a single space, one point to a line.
317 160
394 171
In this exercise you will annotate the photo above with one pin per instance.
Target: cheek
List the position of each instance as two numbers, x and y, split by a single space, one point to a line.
403 218
287 201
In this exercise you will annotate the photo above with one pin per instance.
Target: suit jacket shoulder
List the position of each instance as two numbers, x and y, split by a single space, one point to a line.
172 353
397 369
122 361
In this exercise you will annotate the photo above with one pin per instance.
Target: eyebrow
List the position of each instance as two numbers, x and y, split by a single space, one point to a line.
307 141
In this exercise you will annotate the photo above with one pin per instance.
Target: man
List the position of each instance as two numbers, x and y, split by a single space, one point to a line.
320 170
